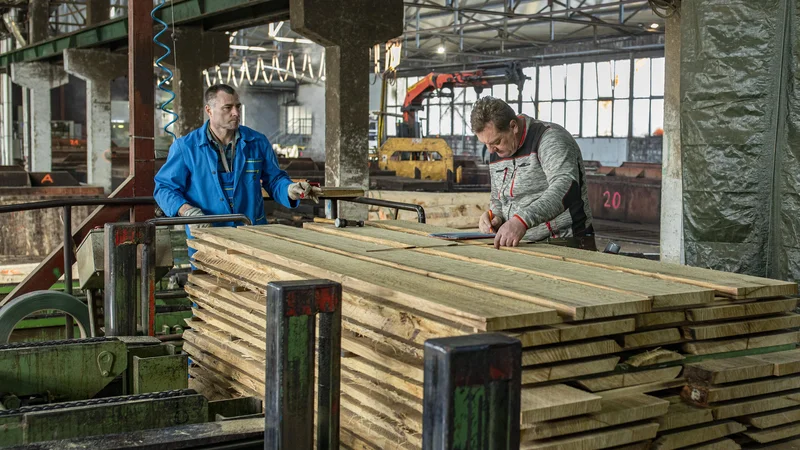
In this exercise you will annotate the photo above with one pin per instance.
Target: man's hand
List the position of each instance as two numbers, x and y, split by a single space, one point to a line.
486 225
303 190
510 234
193 211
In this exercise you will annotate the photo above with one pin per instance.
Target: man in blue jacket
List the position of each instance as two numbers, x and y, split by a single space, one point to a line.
219 168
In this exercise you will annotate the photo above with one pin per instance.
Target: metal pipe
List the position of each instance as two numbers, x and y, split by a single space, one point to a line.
70 331
389 204
194 220
132 201
148 280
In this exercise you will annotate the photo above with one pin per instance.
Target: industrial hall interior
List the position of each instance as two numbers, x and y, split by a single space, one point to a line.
400 224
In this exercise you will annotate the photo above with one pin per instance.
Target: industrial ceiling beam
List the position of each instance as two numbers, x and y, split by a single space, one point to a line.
218 15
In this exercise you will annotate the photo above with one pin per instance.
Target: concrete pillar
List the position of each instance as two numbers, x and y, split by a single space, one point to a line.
189 83
6 112
25 128
672 164
38 20
347 43
97 68
40 78
97 11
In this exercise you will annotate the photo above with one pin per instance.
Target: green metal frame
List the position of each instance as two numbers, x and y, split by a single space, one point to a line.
217 15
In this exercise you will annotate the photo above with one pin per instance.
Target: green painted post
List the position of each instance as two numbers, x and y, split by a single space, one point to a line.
472 393
292 307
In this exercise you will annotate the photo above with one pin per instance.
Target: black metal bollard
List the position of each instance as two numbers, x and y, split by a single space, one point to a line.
292 307
472 393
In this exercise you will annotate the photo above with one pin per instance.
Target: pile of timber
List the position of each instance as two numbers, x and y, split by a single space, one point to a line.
447 209
609 342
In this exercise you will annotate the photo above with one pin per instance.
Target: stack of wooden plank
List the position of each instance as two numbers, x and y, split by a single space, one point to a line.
599 332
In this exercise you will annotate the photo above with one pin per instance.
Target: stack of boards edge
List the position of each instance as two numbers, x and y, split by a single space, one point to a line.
600 333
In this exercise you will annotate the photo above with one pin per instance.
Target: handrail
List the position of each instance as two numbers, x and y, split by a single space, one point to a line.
390 204
130 201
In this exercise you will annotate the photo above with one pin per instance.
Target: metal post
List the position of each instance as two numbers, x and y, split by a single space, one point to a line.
472 393
70 331
122 241
289 400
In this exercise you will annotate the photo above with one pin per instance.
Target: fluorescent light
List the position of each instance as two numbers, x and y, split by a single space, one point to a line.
440 50
654 25
292 40
247 47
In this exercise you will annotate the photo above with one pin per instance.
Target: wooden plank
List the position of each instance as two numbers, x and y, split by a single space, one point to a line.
729 284
651 338
622 380
662 293
741 310
774 434
704 394
754 405
653 357
556 372
380 421
397 346
561 352
253 368
556 402
787 320
236 344
660 318
696 435
773 418
718 444
392 408
251 322
748 342
573 300
784 363
244 382
210 385
642 389
682 414
363 366
372 437
230 327
535 337
614 412
594 440
383 355
578 331
252 302
455 302
373 385
719 371
407 323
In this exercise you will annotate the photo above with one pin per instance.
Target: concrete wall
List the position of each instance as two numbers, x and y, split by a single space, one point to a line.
262 109
646 149
609 151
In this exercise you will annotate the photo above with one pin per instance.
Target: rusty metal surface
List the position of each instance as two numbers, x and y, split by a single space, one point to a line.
635 200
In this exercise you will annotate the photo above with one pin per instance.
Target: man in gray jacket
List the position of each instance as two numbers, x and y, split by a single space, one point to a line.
538 184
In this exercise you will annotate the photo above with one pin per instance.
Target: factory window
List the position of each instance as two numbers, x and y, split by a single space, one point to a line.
613 98
299 120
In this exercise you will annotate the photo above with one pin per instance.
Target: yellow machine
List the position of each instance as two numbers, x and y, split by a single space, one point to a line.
423 159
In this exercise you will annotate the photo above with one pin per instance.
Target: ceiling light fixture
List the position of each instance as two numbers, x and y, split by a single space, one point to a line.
292 40
440 50
654 25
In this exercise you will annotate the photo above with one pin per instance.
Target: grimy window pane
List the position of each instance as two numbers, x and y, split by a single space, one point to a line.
445 127
499 91
471 96
574 82
467 115
391 122
529 109
458 120
544 112
529 88
544 84
657 118
641 78
589 125
604 118
621 118
513 93
422 117
557 115
590 81
605 79
641 117
435 120
622 78
657 77
559 80
573 117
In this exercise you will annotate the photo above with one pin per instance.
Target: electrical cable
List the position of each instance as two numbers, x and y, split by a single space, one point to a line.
665 8
161 83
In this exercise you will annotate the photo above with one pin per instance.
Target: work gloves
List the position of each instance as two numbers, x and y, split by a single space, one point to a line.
302 190
194 212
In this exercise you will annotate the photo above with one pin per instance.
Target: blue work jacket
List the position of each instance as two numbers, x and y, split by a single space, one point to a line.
190 176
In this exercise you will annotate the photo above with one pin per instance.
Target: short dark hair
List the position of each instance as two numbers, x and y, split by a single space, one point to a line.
490 109
211 92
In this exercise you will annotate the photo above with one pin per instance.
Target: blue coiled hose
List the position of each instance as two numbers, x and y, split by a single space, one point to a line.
161 83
